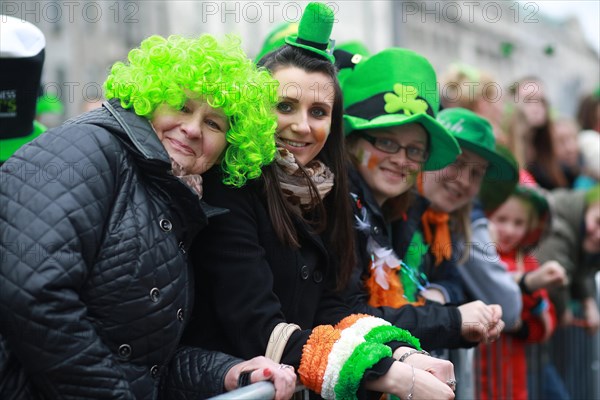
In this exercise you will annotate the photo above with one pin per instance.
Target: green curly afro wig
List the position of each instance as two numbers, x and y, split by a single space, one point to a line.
170 71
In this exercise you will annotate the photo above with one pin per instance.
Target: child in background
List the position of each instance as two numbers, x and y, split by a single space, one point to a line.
517 226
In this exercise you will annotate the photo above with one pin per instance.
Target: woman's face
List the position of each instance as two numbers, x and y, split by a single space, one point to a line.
194 136
304 111
531 101
390 175
456 185
566 147
511 222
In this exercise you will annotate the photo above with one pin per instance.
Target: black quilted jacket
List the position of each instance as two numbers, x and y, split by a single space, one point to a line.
95 286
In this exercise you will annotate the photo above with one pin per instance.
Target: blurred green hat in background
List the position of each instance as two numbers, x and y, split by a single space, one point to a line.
48 103
348 55
276 38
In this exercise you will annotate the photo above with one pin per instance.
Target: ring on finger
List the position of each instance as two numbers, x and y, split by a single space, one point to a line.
451 383
282 366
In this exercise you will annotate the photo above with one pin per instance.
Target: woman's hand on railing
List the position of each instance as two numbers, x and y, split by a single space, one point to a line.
262 369
481 322
408 382
441 369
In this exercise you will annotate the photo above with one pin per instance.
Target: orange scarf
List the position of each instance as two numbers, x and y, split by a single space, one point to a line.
438 240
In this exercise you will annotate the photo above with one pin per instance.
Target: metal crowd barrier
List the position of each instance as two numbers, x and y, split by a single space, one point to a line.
574 354
259 391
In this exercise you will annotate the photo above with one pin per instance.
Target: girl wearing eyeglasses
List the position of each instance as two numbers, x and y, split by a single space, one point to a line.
392 135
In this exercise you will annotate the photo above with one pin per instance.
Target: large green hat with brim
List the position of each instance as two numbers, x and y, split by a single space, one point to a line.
397 87
276 38
494 192
476 134
314 31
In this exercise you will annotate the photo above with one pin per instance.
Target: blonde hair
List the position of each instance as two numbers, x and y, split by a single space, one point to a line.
460 226
463 86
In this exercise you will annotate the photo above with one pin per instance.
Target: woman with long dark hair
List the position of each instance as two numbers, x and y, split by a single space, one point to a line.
271 266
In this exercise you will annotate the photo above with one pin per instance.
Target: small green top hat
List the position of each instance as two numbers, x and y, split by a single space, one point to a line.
314 31
276 38
397 87
476 134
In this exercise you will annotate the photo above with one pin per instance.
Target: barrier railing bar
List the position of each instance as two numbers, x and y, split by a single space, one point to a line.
256 391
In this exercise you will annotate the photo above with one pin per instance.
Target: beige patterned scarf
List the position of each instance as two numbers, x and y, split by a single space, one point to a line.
293 181
194 182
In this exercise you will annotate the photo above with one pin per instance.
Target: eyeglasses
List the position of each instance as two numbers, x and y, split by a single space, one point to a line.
389 146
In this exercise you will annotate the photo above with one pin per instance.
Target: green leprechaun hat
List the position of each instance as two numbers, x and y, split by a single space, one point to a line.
476 134
494 192
314 31
397 87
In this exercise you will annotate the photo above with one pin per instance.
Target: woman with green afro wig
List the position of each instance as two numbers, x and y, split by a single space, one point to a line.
169 72
112 200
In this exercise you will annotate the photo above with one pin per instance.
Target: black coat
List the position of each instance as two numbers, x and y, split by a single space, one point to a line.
252 281
94 279
436 326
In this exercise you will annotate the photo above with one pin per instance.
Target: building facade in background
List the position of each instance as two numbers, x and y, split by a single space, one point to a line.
509 40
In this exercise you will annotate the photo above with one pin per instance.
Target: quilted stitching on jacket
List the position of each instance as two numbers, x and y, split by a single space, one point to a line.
81 249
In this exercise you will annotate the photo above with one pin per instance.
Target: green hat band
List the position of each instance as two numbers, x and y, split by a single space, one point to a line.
377 106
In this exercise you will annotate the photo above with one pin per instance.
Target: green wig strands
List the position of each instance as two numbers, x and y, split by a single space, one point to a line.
169 71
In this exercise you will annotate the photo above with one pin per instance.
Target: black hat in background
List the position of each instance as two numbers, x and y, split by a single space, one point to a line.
21 60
